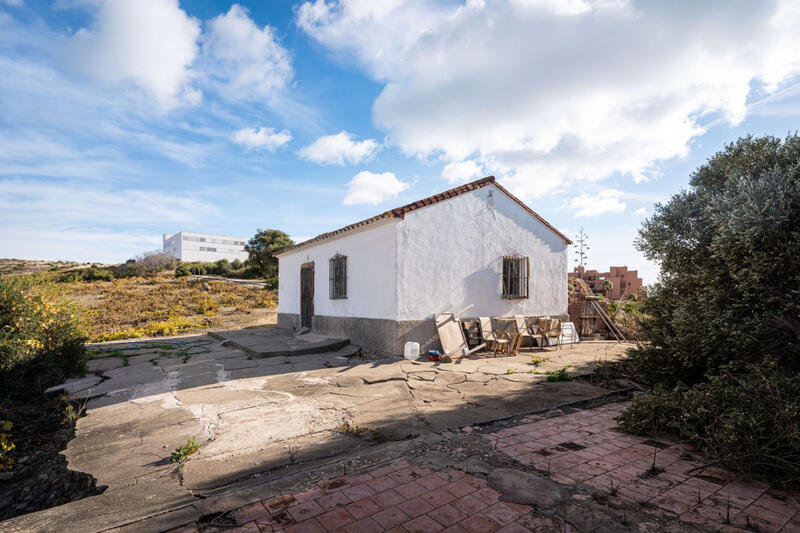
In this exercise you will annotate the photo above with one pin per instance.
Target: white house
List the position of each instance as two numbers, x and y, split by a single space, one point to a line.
379 281
205 247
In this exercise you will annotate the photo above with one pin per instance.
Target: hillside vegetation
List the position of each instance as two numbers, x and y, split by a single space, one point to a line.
143 298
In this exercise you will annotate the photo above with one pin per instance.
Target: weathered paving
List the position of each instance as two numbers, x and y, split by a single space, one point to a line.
259 415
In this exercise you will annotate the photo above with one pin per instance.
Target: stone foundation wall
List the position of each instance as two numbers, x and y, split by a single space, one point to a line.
373 334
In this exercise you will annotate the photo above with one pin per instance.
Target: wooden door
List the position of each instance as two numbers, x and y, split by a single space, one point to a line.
306 294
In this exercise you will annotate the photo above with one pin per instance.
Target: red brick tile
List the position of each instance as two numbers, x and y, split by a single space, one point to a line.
249 527
255 511
279 504
487 495
331 501
521 509
410 490
304 511
438 497
382 471
455 528
308 526
422 524
431 481
366 525
358 492
447 515
501 514
309 495
480 524
415 507
189 528
335 519
459 489
470 504
362 508
397 465
363 478
334 484
403 476
382 483
514 528
389 518
387 498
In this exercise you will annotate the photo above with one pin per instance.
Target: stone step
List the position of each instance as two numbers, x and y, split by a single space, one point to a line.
277 342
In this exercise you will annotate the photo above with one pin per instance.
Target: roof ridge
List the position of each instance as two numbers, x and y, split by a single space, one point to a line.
400 212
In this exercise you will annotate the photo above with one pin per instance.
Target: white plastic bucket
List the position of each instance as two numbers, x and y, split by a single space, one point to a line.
411 351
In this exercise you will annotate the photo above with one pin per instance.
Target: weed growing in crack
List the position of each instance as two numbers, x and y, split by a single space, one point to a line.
182 452
349 427
558 375
510 371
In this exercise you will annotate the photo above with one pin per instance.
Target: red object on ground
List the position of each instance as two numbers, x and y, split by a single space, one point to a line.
433 358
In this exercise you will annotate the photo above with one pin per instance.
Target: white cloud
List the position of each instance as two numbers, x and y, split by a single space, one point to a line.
462 171
339 149
369 188
246 62
261 138
607 201
545 93
14 3
641 212
150 43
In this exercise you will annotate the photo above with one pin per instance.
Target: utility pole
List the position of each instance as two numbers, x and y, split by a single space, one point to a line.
582 247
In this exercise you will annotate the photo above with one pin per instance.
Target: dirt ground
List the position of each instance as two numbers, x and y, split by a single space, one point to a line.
258 418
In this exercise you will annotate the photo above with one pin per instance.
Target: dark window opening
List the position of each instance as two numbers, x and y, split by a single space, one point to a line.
516 270
338 277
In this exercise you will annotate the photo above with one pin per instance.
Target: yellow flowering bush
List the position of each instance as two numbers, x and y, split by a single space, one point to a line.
41 339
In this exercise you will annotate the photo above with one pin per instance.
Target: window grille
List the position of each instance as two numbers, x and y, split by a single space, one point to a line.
338 277
516 270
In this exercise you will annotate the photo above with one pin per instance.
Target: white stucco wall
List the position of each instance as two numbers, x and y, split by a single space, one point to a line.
371 274
452 253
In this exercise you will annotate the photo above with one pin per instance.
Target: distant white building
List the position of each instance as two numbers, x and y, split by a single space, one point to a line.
379 281
205 247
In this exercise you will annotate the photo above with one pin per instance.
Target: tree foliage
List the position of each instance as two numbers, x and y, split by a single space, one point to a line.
723 323
262 247
729 249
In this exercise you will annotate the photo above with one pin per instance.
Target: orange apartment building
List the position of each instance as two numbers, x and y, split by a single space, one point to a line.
624 282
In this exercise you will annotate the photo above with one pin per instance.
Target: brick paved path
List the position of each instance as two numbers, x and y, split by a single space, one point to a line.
399 497
579 449
582 448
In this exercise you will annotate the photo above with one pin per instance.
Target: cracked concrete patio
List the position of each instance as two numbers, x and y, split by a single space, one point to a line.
267 416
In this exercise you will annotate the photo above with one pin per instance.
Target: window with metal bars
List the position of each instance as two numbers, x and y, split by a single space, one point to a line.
338 277
516 270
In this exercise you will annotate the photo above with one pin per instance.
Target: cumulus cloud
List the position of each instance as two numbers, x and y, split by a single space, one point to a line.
369 188
154 45
641 212
262 138
245 62
462 171
150 43
339 149
607 201
548 92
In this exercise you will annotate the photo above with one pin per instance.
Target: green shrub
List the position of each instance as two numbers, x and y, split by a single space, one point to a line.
41 340
746 420
6 446
181 271
271 283
236 264
729 288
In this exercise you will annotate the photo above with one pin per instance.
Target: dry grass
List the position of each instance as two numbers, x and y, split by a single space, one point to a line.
152 307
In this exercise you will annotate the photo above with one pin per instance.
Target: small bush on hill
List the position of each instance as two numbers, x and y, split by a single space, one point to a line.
41 340
146 264
181 271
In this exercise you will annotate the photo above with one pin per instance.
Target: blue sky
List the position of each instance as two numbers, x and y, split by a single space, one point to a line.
122 120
